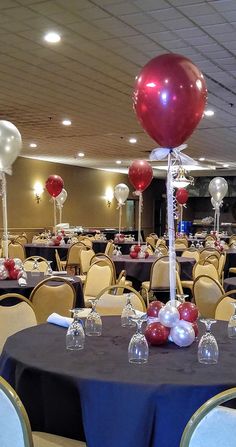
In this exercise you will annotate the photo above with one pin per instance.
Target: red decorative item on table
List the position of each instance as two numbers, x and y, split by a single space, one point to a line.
169 99
54 185
154 307
188 312
181 196
133 254
157 334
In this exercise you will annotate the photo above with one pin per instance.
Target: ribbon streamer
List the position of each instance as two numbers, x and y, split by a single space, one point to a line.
140 209
4 214
161 153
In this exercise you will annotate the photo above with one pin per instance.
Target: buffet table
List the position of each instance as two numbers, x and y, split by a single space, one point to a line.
97 393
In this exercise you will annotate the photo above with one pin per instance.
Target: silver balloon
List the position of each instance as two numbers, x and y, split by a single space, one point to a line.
168 316
218 188
10 144
3 272
182 334
61 198
121 192
2 260
18 262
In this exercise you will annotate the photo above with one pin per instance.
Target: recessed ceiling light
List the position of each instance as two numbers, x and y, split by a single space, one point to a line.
202 159
80 154
133 140
33 145
225 166
118 162
52 37
66 122
209 112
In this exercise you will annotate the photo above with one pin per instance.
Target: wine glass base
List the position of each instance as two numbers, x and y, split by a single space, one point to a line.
138 361
94 334
208 362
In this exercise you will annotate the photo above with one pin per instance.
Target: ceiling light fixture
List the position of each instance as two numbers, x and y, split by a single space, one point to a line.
201 159
181 178
225 166
209 112
66 122
33 145
81 154
118 162
132 140
52 37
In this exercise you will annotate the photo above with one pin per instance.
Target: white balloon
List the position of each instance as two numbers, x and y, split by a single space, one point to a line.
10 144
182 334
218 188
121 192
168 316
3 273
61 198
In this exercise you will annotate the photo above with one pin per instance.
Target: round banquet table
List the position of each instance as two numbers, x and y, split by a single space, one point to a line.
96 391
139 269
47 252
12 286
230 284
99 246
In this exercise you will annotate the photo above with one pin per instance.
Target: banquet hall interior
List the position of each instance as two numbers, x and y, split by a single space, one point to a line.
118 223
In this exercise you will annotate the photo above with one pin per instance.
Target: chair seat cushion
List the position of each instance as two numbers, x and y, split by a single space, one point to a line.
188 284
232 270
47 440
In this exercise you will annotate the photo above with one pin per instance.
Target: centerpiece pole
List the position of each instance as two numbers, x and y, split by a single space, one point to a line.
171 230
4 215
139 217
120 217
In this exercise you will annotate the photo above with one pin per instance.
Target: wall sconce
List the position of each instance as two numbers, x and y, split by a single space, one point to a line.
109 196
38 191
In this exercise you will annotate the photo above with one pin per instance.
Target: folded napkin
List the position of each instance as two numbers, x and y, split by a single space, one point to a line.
60 272
59 320
22 282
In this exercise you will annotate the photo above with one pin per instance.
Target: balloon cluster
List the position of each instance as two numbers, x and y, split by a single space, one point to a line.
57 240
10 268
119 237
176 324
138 251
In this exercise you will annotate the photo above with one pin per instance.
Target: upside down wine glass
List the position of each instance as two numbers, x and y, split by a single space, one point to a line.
138 350
75 336
93 322
232 323
208 351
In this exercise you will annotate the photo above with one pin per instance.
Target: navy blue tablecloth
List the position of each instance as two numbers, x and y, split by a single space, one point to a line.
96 393
47 252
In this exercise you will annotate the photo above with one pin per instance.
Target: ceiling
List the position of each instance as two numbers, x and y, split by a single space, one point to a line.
89 76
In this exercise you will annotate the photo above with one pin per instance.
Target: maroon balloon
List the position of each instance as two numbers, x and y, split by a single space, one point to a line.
169 98
140 174
54 185
157 333
181 196
154 307
188 312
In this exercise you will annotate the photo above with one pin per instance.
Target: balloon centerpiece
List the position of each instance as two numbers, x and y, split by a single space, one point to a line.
168 322
121 193
169 99
10 268
54 185
139 252
218 188
140 175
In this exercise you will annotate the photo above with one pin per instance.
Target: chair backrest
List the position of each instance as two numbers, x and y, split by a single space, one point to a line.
98 277
151 241
53 294
58 261
111 302
15 318
103 259
212 259
16 250
109 248
182 240
208 269
85 259
207 292
73 255
87 241
159 275
21 239
191 254
224 309
212 425
163 249
161 242
207 252
15 426
180 245
221 265
29 263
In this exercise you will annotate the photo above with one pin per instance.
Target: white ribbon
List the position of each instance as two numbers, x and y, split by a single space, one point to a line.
161 153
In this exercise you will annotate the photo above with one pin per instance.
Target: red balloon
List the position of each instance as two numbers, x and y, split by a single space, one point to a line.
157 334
137 248
14 273
169 98
154 307
133 254
188 312
140 174
9 264
181 196
54 185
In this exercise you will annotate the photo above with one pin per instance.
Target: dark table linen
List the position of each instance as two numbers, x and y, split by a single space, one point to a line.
119 404
230 284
